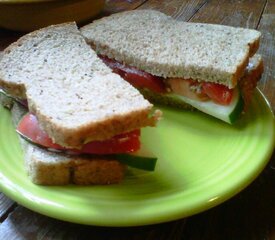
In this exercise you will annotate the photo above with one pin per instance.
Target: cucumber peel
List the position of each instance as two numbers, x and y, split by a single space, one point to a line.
229 113
141 159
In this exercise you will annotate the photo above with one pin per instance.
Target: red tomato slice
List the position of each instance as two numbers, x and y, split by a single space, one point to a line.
28 126
123 143
218 93
137 78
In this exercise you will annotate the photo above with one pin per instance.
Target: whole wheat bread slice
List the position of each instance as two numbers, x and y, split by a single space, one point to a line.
74 95
162 46
48 168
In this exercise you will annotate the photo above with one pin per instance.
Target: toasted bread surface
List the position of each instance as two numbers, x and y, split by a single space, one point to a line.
162 46
74 95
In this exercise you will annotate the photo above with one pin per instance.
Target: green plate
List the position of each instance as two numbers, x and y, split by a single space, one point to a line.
202 162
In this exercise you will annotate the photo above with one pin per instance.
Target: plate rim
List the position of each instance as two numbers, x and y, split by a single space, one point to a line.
11 192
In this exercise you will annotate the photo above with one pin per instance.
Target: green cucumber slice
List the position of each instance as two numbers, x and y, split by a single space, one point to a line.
142 159
229 113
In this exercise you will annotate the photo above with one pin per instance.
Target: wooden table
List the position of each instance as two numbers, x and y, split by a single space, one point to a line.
248 215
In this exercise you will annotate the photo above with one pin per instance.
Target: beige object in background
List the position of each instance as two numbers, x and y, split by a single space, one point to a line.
28 15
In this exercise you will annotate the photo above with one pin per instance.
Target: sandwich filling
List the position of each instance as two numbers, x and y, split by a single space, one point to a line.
125 147
122 143
201 91
200 94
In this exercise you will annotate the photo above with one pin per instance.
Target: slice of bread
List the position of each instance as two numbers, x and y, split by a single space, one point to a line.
247 86
74 95
253 74
151 41
49 168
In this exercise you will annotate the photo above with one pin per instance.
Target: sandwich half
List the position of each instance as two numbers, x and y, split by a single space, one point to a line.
86 115
191 65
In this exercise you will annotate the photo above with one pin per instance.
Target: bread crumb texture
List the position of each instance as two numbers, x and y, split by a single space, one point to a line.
75 96
47 168
51 168
163 46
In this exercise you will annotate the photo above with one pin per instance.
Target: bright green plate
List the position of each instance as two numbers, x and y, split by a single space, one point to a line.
202 162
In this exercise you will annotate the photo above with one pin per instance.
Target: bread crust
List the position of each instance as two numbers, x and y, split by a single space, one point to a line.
105 129
75 96
240 70
18 88
253 47
249 81
72 170
49 168
162 46
247 85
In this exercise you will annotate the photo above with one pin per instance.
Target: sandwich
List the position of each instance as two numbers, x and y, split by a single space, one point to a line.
212 68
79 122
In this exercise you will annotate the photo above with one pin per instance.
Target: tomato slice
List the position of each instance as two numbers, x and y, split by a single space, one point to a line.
122 143
218 93
137 78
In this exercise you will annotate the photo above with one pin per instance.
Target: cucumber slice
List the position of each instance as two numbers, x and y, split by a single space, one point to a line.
229 113
142 159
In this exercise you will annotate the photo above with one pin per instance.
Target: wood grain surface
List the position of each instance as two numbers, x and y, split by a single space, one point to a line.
233 13
181 10
267 49
249 215
6 206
